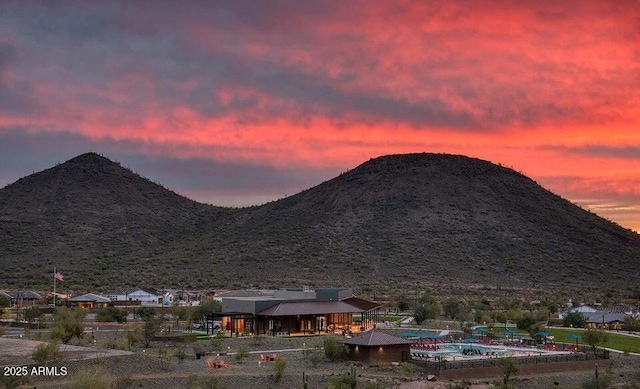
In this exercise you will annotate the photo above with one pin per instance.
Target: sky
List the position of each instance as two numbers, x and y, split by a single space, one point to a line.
241 102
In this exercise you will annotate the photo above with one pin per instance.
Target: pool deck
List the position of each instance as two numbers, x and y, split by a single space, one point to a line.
499 351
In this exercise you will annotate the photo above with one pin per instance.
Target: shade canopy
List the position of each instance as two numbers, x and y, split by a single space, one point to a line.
419 335
509 331
470 340
480 329
542 333
574 336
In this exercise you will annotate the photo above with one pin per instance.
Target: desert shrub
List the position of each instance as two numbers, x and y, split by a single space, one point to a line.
258 340
111 314
242 354
348 380
278 369
134 336
180 354
93 377
407 370
13 381
47 354
334 350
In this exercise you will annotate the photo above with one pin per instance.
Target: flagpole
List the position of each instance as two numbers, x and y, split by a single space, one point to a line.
54 288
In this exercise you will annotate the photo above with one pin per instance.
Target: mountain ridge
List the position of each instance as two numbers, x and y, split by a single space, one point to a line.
396 220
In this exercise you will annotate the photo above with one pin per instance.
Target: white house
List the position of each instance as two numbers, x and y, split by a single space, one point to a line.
580 309
145 296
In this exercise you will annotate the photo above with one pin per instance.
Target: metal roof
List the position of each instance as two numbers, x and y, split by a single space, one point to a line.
376 338
90 297
309 308
363 304
606 317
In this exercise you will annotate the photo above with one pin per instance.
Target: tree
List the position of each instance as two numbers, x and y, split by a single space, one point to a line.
68 324
426 308
31 314
509 367
595 337
180 313
451 309
333 349
145 313
631 323
206 307
526 322
403 305
574 319
151 323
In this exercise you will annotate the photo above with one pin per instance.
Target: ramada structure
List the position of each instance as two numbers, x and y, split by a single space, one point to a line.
297 311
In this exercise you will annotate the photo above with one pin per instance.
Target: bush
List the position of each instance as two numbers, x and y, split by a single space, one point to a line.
278 369
47 354
242 354
94 377
348 380
111 314
334 350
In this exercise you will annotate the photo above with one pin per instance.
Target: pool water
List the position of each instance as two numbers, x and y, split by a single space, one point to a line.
461 351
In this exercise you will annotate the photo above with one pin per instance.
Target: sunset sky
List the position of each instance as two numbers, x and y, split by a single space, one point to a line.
241 102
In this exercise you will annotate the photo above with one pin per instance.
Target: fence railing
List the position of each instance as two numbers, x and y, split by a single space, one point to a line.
586 355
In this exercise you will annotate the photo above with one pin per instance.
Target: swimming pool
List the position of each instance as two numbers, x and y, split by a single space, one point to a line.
464 351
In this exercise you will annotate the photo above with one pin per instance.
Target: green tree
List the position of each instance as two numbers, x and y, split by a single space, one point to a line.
451 309
526 322
4 302
145 313
575 320
151 323
180 313
426 308
509 367
68 324
334 350
31 314
206 307
403 305
150 329
631 323
595 337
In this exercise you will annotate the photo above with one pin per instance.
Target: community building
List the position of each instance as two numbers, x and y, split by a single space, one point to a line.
291 311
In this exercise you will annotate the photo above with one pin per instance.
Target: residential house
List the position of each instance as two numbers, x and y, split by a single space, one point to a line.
90 300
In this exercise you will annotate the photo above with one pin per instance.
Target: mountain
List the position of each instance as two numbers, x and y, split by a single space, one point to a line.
394 222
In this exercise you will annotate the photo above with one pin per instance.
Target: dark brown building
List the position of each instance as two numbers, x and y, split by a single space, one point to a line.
378 348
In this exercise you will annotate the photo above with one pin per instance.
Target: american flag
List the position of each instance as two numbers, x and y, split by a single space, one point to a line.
59 276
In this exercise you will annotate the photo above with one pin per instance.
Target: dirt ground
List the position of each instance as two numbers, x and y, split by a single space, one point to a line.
170 364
